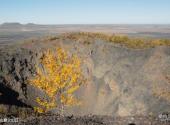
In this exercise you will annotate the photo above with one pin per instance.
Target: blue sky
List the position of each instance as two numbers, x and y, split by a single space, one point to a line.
85 11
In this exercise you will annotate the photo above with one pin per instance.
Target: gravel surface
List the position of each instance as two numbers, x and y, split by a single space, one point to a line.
89 120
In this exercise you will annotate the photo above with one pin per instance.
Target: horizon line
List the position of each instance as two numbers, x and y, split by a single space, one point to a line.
85 23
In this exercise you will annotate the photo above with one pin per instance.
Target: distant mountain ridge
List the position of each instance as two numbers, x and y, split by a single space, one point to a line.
17 25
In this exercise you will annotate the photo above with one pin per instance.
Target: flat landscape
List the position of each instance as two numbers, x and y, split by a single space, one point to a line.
14 32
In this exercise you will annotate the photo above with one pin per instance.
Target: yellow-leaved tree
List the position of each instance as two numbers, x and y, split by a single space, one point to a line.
59 77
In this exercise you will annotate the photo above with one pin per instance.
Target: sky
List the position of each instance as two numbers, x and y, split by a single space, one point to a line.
85 11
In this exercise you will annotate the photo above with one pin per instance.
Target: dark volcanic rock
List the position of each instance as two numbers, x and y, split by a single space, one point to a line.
120 80
16 66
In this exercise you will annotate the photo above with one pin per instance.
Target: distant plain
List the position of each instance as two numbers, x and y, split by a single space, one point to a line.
14 32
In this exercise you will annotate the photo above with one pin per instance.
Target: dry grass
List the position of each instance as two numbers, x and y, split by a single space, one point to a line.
137 43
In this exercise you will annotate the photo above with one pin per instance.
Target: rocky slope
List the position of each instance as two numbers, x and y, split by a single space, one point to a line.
120 79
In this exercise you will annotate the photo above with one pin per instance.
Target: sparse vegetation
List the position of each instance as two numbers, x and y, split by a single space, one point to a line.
59 77
136 43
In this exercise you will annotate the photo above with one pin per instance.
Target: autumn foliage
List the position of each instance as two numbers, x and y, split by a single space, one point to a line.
59 76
